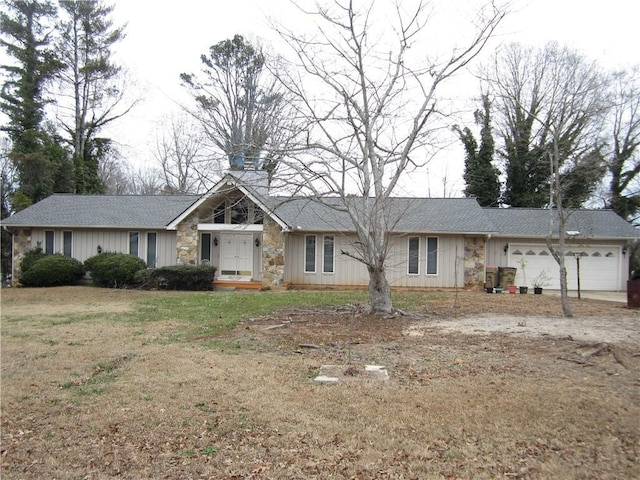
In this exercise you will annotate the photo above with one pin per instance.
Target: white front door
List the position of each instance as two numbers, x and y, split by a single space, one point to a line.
236 252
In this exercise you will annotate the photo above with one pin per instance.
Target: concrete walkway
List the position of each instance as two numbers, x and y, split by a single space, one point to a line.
620 297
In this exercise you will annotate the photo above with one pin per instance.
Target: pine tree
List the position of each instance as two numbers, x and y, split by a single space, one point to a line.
26 38
91 79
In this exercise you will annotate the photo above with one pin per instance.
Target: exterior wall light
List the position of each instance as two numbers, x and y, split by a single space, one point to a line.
99 249
215 241
257 242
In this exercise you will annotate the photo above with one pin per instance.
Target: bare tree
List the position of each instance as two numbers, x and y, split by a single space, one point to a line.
623 161
559 98
243 109
369 97
115 175
180 150
146 181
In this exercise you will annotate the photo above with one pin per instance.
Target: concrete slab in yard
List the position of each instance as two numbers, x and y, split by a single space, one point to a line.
332 374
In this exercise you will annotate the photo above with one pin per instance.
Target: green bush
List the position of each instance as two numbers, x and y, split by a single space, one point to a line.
53 270
116 270
182 277
31 257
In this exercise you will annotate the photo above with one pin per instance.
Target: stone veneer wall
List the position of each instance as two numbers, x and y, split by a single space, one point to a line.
187 240
272 254
21 244
474 259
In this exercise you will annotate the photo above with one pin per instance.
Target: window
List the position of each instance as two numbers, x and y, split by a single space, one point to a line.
218 213
67 241
310 253
328 253
152 243
48 242
414 256
258 215
133 243
205 247
432 256
240 212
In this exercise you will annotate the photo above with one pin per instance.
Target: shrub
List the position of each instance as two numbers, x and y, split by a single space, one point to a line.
52 270
31 257
183 277
114 269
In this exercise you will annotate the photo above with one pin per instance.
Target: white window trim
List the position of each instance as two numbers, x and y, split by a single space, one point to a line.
333 258
409 255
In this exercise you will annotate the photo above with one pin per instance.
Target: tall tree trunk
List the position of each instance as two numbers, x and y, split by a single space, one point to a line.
379 291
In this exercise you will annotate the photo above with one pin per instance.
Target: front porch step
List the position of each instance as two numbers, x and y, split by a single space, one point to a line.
236 285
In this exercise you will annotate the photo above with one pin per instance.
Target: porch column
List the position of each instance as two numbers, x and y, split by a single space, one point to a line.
187 240
474 254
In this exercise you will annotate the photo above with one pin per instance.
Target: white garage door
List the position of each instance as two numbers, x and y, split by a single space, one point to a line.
599 266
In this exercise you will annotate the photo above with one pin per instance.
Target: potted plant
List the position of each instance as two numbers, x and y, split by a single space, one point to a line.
523 265
542 280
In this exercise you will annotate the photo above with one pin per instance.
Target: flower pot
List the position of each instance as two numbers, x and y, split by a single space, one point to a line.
537 290
489 289
524 290
498 290
512 288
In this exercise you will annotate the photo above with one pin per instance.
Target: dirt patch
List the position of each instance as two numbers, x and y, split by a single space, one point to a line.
480 386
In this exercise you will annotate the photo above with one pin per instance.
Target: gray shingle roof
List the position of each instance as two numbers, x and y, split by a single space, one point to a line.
102 211
427 215
533 222
434 215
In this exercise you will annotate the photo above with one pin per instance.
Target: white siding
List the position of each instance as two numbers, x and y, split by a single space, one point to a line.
349 271
85 243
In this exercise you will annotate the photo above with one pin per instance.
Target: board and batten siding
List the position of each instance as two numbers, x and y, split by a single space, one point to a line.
350 272
85 243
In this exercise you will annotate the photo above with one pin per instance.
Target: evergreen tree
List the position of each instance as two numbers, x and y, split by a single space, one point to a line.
481 177
526 83
91 79
527 171
26 38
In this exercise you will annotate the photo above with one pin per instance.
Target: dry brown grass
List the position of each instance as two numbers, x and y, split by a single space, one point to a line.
93 396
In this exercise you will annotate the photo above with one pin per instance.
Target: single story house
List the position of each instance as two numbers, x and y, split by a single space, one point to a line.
258 239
